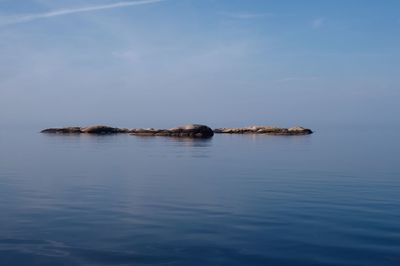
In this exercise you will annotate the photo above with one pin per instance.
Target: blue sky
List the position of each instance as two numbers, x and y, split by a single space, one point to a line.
219 62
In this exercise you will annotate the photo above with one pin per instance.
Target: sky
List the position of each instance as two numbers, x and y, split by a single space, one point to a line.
162 63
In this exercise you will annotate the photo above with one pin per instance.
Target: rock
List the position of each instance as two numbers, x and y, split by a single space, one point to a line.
103 130
188 131
88 130
65 130
264 130
300 131
195 131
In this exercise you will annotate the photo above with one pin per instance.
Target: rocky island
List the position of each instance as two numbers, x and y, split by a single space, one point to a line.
265 130
189 131
186 131
88 130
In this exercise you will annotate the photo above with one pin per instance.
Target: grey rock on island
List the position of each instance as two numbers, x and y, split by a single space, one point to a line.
265 130
189 131
99 129
186 131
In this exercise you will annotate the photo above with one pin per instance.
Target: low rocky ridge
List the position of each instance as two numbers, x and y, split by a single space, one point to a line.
264 130
64 130
190 131
100 130
103 130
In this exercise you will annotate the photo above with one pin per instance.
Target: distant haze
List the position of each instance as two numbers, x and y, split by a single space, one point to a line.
218 62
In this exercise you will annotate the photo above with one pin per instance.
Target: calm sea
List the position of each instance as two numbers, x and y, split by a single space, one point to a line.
331 198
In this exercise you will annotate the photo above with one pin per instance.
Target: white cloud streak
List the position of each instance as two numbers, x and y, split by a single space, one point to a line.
69 11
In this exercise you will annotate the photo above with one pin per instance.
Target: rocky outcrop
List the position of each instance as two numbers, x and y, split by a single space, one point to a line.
188 131
103 130
64 130
99 130
264 130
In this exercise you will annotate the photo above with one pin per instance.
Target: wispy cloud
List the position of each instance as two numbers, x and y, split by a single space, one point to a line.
318 23
245 15
69 11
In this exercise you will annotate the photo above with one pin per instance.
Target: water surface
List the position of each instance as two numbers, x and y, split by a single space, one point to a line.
331 198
